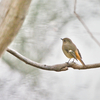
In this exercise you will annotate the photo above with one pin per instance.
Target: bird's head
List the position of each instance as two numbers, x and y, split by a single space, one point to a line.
66 40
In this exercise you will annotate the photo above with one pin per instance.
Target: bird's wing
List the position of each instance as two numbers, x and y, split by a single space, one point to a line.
73 54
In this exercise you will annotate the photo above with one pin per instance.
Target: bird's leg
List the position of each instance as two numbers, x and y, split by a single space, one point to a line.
68 61
73 60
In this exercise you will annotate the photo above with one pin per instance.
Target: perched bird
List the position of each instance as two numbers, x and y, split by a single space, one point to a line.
70 50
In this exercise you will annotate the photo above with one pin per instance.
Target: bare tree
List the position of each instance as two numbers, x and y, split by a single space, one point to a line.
82 22
11 21
12 15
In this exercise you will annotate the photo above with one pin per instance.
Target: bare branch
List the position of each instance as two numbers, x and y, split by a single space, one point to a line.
56 67
84 24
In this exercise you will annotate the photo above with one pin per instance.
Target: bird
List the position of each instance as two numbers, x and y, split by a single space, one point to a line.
70 50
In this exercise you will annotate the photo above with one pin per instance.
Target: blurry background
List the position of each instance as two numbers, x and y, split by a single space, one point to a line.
39 40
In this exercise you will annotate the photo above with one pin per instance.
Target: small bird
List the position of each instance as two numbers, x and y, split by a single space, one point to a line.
70 50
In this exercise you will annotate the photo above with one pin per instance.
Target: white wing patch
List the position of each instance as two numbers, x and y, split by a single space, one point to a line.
70 51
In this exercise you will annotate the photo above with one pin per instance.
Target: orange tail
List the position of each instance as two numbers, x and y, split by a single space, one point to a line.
82 62
78 55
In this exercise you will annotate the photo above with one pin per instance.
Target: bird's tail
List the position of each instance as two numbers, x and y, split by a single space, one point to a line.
82 62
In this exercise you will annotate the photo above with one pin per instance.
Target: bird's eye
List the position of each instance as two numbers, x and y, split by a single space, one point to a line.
64 40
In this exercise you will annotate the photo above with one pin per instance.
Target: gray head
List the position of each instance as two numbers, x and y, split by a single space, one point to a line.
66 40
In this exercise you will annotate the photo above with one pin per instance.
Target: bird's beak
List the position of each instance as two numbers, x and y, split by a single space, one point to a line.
61 38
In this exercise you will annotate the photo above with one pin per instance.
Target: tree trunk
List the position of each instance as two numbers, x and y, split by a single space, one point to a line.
12 15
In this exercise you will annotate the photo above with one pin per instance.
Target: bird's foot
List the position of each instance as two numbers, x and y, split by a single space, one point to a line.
67 62
84 67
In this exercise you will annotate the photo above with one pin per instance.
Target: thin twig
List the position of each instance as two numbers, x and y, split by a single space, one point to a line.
79 18
56 67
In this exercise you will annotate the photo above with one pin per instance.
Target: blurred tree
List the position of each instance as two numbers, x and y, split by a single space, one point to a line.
11 18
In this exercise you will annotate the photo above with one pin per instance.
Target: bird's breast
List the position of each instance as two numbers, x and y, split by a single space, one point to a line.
67 54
